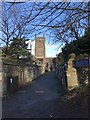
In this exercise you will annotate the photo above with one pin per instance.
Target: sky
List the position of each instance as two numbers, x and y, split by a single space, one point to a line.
46 0
51 50
32 27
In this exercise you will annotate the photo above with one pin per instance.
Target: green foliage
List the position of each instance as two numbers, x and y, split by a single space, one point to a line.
17 48
80 46
81 89
68 49
82 76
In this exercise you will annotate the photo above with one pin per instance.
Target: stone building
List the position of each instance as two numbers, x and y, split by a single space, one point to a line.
40 54
49 62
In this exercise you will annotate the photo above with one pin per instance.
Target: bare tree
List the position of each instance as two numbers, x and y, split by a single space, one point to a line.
15 22
66 20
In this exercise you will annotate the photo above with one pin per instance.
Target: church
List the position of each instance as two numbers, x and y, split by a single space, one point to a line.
40 58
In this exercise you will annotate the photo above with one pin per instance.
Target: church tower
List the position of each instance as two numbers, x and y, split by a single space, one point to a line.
40 47
40 51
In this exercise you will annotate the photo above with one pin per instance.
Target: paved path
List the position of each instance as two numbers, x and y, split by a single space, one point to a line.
37 100
40 99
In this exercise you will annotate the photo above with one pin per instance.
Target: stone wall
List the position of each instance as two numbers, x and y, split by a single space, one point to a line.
61 74
15 75
74 77
67 74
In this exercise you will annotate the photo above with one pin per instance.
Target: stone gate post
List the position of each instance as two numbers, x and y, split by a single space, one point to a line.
71 73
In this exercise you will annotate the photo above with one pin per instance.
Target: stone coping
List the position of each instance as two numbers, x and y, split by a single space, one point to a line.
18 63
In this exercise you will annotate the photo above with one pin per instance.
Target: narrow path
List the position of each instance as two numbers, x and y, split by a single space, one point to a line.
37 100
40 99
